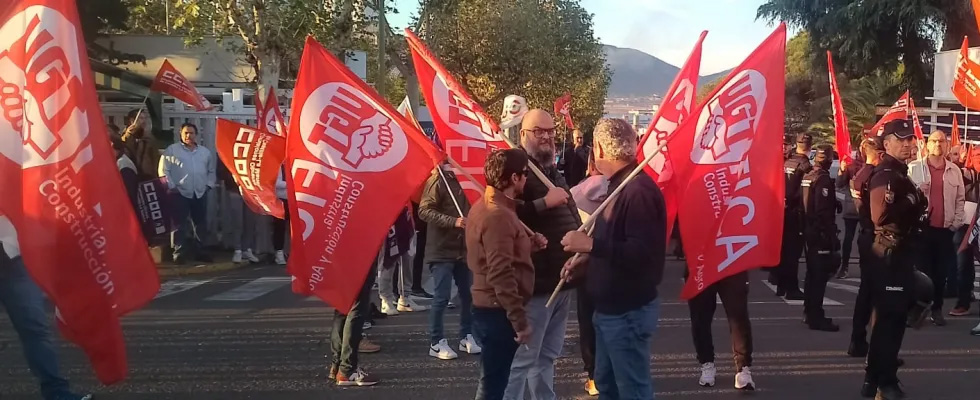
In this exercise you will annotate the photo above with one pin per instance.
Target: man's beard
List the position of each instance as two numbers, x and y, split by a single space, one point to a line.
544 157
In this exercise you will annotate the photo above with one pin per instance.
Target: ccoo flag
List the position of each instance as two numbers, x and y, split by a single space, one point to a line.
353 163
730 154
170 81
253 157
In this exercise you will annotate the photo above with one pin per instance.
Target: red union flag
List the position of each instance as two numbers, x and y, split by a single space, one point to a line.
843 137
730 153
353 162
170 81
955 133
899 110
674 109
966 80
465 132
63 200
259 110
272 120
253 157
563 107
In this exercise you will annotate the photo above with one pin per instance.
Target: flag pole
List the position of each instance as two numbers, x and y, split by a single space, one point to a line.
482 187
448 189
142 106
534 168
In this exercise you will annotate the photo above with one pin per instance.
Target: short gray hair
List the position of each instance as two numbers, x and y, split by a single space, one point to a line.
617 138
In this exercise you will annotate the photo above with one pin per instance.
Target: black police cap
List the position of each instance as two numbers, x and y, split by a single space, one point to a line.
823 153
901 128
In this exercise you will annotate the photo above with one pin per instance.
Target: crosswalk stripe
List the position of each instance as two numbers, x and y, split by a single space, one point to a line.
176 286
848 288
252 290
826 301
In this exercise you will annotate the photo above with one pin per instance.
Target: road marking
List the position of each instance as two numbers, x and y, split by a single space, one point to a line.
252 290
855 280
826 301
179 285
849 288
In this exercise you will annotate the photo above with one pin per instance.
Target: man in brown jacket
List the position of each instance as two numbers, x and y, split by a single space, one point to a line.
499 254
140 145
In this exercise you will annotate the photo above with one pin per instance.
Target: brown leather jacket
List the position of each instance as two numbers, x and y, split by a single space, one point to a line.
499 254
143 150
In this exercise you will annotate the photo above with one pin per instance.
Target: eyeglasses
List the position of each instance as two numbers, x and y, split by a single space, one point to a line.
541 133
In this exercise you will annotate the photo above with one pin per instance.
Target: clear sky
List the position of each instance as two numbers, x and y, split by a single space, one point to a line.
667 29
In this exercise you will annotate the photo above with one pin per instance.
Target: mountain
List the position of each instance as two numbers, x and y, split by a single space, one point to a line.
638 74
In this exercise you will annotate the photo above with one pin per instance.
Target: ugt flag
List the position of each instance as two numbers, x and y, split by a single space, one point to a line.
253 158
674 109
170 81
842 136
563 107
63 200
353 163
466 133
966 80
899 110
730 155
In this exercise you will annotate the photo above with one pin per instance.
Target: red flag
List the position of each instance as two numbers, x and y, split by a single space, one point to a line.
272 119
259 110
731 155
405 108
899 110
170 81
674 109
563 107
466 133
64 202
966 80
955 132
976 11
842 135
353 162
253 157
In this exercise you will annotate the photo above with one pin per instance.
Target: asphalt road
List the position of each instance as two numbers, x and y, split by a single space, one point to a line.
244 335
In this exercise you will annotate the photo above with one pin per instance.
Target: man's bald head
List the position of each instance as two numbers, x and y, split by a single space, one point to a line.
538 136
537 119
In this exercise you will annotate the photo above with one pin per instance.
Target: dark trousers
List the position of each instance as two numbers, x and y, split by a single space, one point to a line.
586 329
190 224
419 261
936 254
496 335
345 337
850 226
965 271
787 274
862 305
734 293
279 228
891 291
818 270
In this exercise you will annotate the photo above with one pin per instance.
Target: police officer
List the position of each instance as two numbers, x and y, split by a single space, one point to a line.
795 166
820 235
872 149
897 207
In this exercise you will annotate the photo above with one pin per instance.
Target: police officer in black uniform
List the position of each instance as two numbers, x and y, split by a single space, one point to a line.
872 149
820 234
897 208
795 166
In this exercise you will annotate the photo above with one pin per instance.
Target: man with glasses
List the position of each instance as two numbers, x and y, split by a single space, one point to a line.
575 160
552 213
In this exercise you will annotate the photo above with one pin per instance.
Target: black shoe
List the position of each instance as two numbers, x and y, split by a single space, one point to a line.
178 260
890 392
868 389
899 362
420 293
376 313
825 325
937 318
858 349
780 292
794 295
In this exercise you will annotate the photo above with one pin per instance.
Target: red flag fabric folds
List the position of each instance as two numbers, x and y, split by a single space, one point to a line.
955 132
170 81
966 80
899 110
841 133
253 158
272 120
563 107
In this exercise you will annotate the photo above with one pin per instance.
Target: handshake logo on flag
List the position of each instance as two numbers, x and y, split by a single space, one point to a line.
728 122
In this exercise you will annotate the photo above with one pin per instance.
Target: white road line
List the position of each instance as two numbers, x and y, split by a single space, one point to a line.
826 301
252 290
855 280
848 288
176 286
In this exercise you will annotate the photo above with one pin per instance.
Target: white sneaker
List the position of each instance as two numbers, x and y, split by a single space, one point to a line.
280 258
408 305
468 345
389 309
249 256
743 380
237 258
975 331
367 325
442 351
707 374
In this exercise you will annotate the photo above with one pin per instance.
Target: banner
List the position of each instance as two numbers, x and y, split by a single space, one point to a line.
170 81
272 120
253 157
899 110
63 198
353 163
731 157
466 133
153 208
966 79
259 109
674 110
563 107
841 134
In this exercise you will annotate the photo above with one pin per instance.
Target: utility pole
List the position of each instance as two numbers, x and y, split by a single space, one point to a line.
382 32
167 12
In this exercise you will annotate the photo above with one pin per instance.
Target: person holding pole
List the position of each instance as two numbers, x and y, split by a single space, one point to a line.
140 145
550 211
444 208
625 260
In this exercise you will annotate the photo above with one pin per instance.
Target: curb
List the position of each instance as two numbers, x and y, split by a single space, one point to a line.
176 271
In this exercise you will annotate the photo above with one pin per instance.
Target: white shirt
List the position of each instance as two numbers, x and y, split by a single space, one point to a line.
191 172
8 238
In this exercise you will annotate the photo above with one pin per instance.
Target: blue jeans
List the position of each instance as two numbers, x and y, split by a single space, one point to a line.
443 274
496 335
22 299
190 223
623 353
534 365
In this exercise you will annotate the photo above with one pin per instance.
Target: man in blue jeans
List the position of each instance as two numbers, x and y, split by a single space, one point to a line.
24 303
625 260
444 208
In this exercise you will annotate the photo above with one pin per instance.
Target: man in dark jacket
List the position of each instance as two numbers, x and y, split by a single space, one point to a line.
850 214
795 166
552 213
820 233
575 160
444 208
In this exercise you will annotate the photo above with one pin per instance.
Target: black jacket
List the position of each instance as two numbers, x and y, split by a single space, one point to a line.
553 223
628 252
819 205
794 168
443 241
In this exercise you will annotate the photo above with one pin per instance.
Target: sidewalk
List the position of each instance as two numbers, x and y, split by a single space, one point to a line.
222 262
